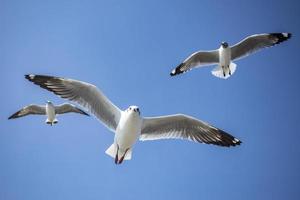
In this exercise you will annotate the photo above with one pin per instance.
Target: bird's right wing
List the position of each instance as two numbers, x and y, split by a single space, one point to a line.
85 94
29 110
197 59
185 127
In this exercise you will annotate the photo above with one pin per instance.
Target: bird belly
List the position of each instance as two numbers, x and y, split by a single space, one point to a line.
127 132
225 57
50 111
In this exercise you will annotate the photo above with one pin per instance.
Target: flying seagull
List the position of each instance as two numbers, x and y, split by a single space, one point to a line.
50 110
129 125
224 56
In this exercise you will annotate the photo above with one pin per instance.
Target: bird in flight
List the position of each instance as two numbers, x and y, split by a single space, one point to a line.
128 125
49 109
224 56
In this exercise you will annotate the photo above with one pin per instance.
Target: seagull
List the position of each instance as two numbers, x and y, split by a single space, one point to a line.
50 110
128 125
224 56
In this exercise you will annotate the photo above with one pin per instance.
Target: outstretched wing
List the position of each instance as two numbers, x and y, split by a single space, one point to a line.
29 110
85 94
185 127
197 59
257 42
66 108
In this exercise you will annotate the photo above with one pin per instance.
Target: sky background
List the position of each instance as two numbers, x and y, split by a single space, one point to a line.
127 49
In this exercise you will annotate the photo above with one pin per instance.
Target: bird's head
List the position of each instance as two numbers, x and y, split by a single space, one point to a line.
133 109
224 44
48 102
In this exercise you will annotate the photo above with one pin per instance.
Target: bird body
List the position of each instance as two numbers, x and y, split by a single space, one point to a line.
225 60
224 56
49 110
128 131
129 125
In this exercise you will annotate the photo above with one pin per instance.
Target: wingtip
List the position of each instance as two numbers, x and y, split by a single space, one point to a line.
282 36
287 35
177 70
229 140
13 116
237 141
29 76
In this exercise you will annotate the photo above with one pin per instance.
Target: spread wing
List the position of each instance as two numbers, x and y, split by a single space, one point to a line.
257 42
197 59
66 108
185 127
85 94
29 110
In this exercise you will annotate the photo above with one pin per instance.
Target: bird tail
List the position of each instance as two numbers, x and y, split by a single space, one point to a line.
112 152
218 71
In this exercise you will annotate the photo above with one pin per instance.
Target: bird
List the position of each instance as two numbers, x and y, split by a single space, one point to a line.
224 56
49 109
128 125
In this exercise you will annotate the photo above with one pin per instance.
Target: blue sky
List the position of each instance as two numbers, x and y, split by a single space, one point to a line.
127 49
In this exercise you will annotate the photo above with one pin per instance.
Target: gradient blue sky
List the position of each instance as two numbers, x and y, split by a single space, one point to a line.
127 49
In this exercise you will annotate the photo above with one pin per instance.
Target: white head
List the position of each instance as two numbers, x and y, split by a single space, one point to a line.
48 102
133 109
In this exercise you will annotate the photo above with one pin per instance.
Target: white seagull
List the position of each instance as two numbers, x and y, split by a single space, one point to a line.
129 125
50 110
224 56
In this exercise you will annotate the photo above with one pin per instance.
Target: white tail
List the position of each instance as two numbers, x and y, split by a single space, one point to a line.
218 71
128 155
112 151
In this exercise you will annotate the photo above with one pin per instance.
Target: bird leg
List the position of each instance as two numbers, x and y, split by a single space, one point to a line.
122 158
116 158
229 70
223 71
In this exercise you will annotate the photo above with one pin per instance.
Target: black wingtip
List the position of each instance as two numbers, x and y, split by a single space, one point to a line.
27 76
177 70
40 80
281 36
228 140
237 141
30 77
13 116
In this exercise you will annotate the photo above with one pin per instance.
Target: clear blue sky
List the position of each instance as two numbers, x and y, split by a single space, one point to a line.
128 48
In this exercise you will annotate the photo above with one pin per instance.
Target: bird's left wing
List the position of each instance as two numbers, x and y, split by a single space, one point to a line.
85 94
185 127
66 108
197 59
257 42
